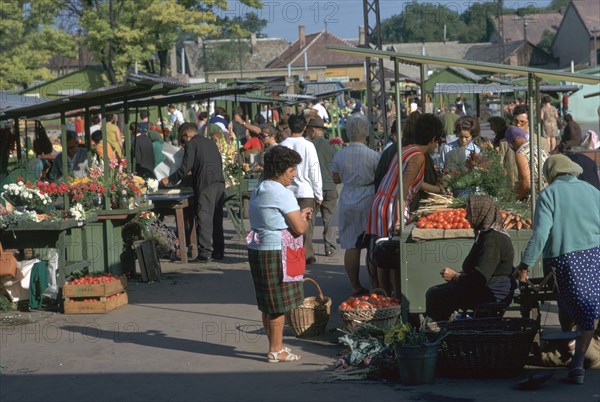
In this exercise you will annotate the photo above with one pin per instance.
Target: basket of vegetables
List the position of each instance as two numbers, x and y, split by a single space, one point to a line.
377 309
311 318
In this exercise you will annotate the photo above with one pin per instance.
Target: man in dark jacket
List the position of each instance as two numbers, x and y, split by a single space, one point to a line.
142 152
201 156
571 136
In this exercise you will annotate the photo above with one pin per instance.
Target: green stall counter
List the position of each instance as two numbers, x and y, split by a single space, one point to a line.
421 263
102 241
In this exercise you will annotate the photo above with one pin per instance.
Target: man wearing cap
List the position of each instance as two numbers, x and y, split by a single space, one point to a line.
315 130
307 185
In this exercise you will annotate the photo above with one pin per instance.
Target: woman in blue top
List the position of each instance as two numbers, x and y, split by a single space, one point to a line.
276 220
568 237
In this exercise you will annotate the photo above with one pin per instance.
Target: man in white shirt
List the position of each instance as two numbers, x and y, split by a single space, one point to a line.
307 185
175 118
321 111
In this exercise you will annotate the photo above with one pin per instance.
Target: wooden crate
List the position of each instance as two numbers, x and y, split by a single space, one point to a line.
101 306
99 290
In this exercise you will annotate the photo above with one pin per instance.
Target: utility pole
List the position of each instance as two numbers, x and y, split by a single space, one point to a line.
374 70
501 28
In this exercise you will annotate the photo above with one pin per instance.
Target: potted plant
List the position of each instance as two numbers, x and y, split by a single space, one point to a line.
416 350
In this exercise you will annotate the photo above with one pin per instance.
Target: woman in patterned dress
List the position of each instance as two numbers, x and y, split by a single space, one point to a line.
276 219
568 236
384 214
549 117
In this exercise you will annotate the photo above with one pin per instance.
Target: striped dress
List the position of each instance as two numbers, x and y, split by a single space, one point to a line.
383 206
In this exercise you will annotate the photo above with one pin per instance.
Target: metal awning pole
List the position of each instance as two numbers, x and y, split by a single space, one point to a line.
127 135
17 136
422 72
105 159
532 132
399 144
87 135
64 155
538 127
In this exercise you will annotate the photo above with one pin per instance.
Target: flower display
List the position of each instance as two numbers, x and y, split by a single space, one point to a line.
146 217
78 212
87 192
53 190
336 141
404 334
234 172
151 185
26 194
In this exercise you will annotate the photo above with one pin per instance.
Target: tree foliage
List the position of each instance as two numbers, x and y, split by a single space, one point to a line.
28 40
425 22
121 32
546 42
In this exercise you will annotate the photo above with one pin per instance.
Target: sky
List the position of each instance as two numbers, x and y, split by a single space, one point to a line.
342 17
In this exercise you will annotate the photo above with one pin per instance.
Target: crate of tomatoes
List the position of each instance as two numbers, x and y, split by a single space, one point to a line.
94 305
447 219
95 286
376 309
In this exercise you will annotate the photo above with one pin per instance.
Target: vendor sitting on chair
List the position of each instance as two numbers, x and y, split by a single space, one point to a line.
487 270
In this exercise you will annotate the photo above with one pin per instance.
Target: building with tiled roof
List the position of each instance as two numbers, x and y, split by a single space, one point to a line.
517 53
577 40
309 51
530 27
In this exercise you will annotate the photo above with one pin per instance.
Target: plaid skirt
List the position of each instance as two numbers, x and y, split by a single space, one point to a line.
272 294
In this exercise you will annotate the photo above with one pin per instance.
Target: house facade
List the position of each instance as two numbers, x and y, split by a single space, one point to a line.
577 40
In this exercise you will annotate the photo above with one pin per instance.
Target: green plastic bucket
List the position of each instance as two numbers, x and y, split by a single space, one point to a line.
416 364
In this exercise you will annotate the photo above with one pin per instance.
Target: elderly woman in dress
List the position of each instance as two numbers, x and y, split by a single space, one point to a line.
567 234
354 166
277 222
487 270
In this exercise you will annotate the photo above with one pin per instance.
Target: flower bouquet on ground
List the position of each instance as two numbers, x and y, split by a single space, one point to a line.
416 350
25 195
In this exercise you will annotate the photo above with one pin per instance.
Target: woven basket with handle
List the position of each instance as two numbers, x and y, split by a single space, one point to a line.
364 312
312 317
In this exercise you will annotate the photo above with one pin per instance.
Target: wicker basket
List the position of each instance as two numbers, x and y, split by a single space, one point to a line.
312 317
352 319
486 347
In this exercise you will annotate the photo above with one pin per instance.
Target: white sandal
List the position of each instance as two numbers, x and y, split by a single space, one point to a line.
273 357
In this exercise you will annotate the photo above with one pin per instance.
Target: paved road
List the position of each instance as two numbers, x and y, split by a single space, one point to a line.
196 336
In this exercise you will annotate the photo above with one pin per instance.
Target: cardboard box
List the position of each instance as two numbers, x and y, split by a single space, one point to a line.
101 306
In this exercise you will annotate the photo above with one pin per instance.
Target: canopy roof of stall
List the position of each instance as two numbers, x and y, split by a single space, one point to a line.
138 91
496 88
471 65
136 86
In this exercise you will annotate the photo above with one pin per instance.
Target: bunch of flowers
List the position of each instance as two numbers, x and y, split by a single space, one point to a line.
404 334
87 192
53 190
336 141
151 185
234 172
26 194
77 212
485 171
146 217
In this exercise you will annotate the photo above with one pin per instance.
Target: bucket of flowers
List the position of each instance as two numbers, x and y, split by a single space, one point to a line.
24 195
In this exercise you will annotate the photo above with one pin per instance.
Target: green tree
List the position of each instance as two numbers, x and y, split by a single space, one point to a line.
478 20
120 32
422 22
28 40
546 42
226 56
558 4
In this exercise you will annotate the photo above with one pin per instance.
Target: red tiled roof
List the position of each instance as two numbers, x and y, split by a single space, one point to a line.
316 53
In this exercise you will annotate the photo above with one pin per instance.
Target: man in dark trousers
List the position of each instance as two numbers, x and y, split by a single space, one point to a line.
142 152
201 156
315 130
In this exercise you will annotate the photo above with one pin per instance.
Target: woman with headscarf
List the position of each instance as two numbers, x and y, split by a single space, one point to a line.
486 272
567 235
157 146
